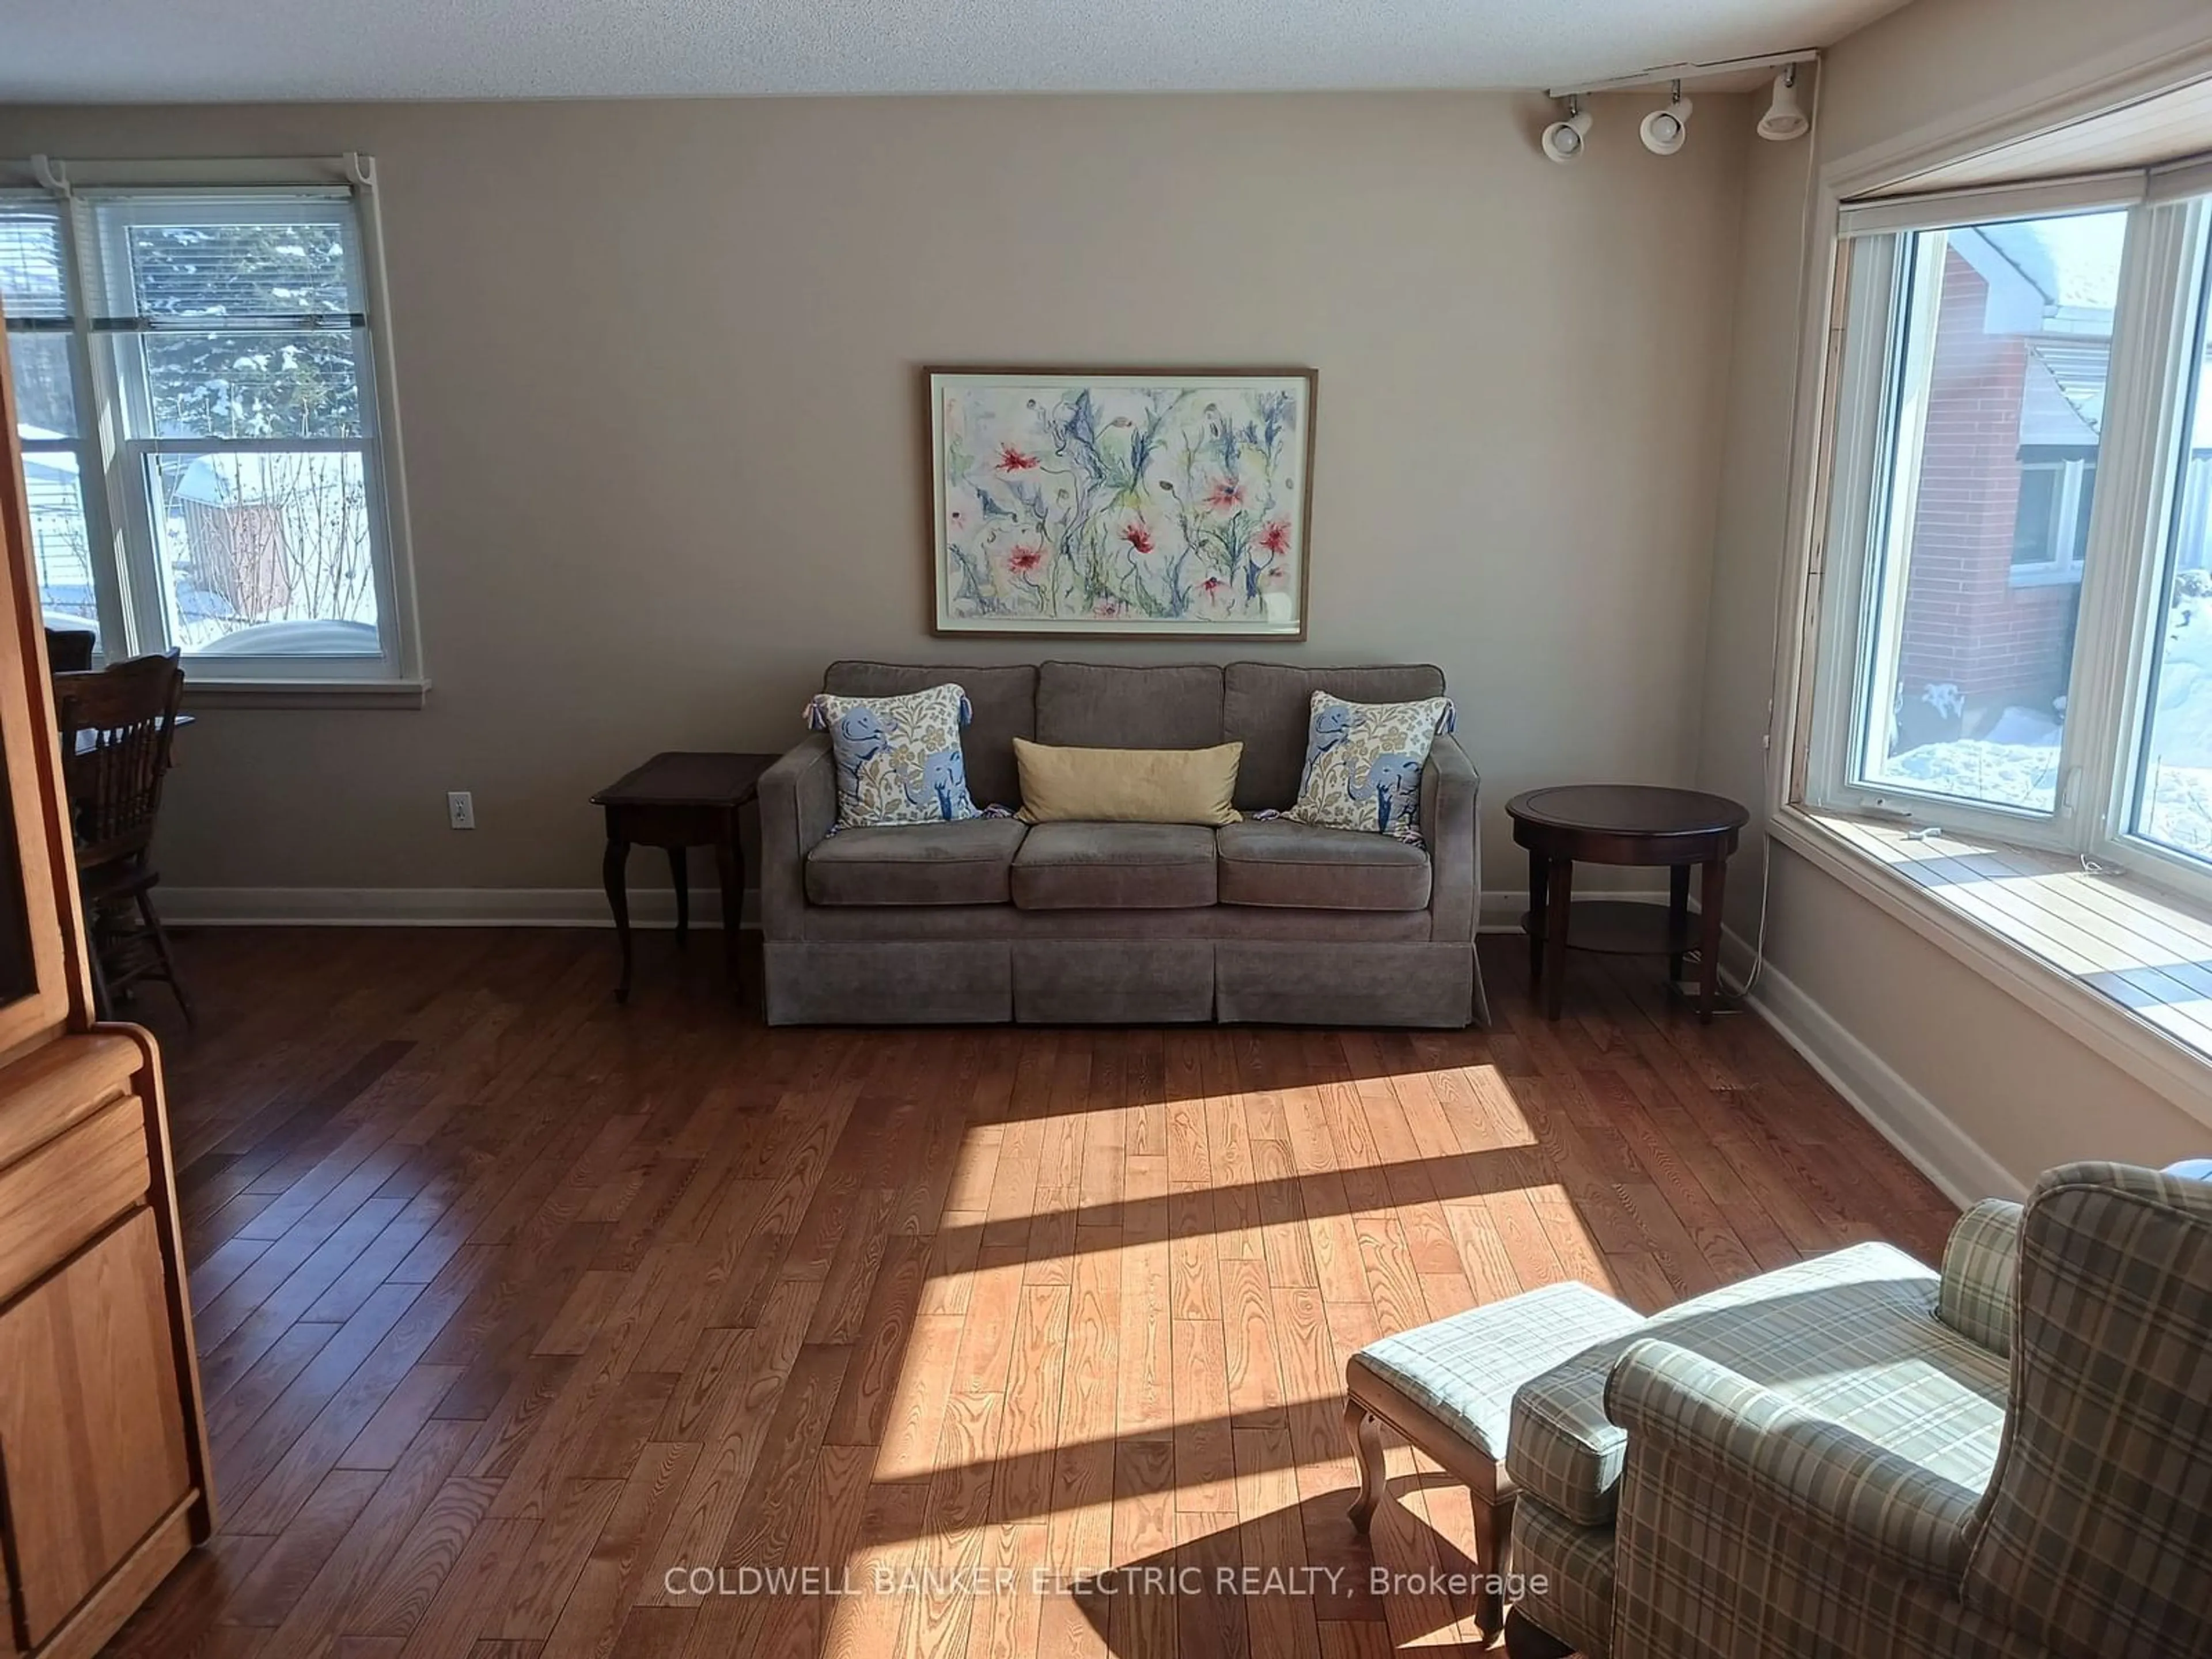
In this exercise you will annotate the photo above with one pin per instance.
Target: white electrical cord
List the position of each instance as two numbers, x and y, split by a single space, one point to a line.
1782 577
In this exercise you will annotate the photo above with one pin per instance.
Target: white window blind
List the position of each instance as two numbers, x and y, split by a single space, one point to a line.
2155 149
1997 204
38 290
34 275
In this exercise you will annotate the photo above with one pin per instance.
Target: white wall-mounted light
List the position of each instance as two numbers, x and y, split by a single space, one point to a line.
1664 129
1563 140
1785 119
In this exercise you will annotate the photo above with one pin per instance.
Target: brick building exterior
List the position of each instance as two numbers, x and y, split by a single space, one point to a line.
1969 621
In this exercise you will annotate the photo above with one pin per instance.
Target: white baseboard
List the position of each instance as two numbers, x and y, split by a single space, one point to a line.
436 906
1964 1169
1501 912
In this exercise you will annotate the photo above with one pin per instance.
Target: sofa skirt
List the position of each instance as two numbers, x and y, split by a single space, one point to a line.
1113 981
1279 983
1121 981
892 982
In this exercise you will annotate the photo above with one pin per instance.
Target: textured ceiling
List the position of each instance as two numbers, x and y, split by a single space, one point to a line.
135 50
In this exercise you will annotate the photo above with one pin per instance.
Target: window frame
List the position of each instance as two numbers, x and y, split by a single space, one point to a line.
1846 189
2127 552
2183 300
84 445
135 599
2066 528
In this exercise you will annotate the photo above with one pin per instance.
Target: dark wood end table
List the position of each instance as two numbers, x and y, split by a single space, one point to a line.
677 801
1626 824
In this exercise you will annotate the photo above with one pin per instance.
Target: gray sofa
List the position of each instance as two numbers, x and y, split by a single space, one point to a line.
989 919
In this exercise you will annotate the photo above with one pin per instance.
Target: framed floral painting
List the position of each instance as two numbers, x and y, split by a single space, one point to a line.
1169 503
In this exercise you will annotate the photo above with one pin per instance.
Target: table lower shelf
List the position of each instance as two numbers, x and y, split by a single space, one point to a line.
1622 928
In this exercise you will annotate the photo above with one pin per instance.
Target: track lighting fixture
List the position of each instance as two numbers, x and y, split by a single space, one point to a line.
1664 130
1784 119
1563 140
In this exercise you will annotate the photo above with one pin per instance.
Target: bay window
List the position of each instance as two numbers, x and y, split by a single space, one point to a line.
204 416
2015 577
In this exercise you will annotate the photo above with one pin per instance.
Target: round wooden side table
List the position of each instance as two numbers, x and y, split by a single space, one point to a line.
1624 824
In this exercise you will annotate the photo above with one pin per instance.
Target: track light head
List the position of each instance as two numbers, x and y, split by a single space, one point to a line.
1563 140
1664 129
1785 119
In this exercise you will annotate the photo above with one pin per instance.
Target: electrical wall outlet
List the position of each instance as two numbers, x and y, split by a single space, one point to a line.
461 809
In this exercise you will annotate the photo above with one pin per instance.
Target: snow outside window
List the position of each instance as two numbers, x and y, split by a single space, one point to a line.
2173 785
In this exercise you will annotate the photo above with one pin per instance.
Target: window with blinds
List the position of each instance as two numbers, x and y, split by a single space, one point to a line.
38 295
196 381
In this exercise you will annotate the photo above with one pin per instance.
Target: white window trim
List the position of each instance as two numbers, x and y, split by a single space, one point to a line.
2143 69
397 676
1865 537
2123 586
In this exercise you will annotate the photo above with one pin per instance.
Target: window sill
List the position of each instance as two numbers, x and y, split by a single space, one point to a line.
200 693
2122 966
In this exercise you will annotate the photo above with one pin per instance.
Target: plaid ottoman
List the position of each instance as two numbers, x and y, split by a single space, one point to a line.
1448 1386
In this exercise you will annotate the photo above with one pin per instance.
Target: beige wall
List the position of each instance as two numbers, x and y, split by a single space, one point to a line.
2027 1094
658 370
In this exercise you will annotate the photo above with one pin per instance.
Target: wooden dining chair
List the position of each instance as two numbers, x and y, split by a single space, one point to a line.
116 728
69 650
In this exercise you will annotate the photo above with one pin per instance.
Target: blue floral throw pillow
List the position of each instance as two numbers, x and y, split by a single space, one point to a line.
1363 763
898 758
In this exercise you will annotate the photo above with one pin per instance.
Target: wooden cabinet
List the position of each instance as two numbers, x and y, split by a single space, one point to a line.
94 1435
103 1447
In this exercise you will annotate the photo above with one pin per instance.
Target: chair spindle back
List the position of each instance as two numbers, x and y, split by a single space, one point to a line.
129 712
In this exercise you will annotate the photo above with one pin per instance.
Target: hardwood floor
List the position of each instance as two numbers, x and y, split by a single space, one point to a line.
510 1300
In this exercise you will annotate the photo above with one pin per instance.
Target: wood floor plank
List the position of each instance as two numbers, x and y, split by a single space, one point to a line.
512 1299
409 1585
558 1551
593 1617
387 1521
299 1552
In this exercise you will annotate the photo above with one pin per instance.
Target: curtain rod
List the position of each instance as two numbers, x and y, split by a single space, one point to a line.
61 179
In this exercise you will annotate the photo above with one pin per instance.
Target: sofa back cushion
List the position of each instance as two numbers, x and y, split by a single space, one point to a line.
1004 701
1085 705
1266 707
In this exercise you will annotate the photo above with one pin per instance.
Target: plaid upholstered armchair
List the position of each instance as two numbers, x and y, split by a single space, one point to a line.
2013 1458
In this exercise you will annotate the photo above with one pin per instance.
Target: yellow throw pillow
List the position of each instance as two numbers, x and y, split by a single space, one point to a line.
1128 786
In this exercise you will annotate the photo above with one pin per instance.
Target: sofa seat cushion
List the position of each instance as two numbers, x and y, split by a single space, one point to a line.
1303 866
965 862
1851 1337
1114 867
